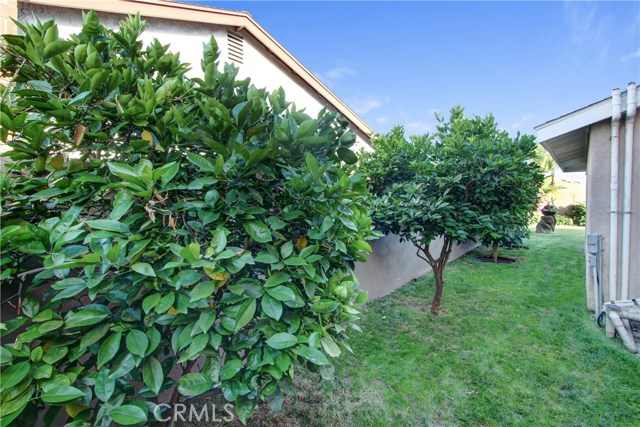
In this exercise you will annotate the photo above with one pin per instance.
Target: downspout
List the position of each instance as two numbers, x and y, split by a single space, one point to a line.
613 221
628 179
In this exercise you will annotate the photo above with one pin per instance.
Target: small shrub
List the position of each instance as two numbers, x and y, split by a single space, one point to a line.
578 214
161 219
564 220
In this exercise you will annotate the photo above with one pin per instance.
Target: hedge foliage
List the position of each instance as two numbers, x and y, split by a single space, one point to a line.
150 218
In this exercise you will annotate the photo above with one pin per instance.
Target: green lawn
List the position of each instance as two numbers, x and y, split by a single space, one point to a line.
513 346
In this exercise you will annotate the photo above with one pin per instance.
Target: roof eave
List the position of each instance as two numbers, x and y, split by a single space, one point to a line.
565 137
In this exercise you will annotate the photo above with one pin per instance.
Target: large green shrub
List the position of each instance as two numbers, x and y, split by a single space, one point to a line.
154 218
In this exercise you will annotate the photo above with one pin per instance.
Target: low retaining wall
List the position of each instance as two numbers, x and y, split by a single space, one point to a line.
394 263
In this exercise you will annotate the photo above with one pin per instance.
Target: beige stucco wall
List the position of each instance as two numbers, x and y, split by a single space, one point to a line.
598 202
392 264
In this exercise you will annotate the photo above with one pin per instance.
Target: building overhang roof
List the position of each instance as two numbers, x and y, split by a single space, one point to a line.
566 137
239 21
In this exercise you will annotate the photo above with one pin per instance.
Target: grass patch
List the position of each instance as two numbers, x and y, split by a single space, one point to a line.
513 346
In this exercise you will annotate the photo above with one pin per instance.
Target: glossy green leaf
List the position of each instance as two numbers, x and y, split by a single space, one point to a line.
194 383
105 385
218 241
313 355
202 163
282 340
56 48
30 306
121 205
143 268
54 354
13 375
258 231
245 313
295 261
271 307
61 394
137 342
230 369
84 318
276 279
202 290
128 415
152 374
281 293
330 346
150 302
109 348
347 155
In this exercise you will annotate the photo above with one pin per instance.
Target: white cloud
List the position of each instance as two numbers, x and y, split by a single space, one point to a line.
418 128
362 104
521 121
382 120
339 73
588 27
335 74
635 54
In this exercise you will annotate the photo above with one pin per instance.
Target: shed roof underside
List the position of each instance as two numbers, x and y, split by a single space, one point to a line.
569 150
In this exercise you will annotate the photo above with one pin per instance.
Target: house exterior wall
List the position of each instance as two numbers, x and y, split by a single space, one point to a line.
8 11
598 203
187 38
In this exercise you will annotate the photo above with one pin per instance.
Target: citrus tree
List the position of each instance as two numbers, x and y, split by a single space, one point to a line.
155 223
501 174
456 185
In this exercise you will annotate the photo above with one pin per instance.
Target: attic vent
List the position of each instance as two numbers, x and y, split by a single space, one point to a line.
236 47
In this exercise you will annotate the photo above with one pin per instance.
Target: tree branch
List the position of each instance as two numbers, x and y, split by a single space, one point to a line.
420 256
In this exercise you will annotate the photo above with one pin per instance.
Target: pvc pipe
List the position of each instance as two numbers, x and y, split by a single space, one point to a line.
613 221
628 180
596 287
627 339
631 316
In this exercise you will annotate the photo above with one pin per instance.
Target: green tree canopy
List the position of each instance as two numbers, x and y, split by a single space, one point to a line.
455 184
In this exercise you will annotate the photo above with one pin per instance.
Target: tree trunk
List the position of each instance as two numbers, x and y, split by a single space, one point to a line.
437 266
494 254
437 299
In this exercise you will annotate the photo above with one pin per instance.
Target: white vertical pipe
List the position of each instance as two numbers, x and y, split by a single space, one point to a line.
626 190
613 221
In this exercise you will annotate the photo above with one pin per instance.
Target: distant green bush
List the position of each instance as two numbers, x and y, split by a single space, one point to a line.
564 220
578 214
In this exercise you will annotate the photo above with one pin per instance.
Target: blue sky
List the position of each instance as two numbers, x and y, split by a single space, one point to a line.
395 63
